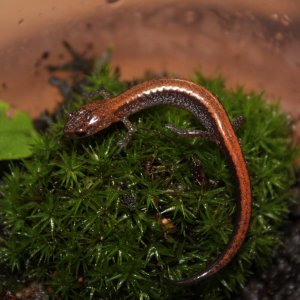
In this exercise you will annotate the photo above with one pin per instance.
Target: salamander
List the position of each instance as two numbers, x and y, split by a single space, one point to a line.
95 116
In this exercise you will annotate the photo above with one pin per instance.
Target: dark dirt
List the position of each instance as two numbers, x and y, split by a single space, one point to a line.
281 280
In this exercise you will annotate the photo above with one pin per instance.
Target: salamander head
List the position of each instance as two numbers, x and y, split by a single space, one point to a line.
86 121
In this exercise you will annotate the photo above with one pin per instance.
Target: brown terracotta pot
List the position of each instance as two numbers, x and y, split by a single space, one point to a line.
252 44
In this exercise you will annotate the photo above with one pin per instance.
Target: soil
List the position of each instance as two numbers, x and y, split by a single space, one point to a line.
281 280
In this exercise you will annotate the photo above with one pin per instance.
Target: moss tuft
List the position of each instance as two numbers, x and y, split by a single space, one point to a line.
86 220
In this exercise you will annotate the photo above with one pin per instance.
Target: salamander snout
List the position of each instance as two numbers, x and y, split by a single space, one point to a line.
80 123
84 122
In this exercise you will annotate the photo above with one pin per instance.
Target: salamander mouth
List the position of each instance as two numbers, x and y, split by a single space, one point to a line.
80 133
71 132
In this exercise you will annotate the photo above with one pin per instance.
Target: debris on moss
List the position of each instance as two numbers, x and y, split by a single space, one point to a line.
89 221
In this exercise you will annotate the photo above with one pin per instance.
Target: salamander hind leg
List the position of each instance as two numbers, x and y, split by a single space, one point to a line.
193 133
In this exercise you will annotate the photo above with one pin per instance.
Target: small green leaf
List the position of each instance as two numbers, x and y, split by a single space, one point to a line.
17 134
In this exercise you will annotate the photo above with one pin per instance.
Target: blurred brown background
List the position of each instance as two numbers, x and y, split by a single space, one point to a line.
251 43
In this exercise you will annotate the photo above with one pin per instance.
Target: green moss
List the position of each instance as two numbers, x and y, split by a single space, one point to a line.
85 219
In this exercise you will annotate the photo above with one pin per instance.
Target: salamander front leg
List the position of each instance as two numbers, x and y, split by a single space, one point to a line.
130 131
192 133
237 122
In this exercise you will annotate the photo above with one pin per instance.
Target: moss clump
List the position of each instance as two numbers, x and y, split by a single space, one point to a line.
87 220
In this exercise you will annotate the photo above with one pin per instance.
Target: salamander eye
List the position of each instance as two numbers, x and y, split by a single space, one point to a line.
80 133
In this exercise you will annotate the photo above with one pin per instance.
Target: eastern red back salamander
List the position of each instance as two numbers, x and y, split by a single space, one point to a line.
95 116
